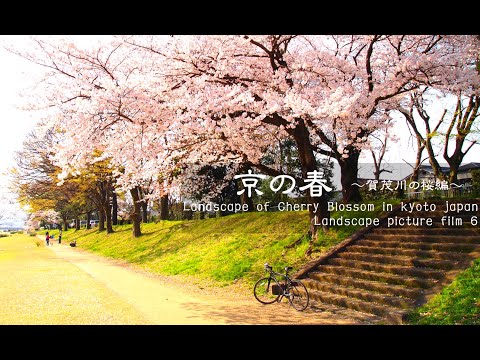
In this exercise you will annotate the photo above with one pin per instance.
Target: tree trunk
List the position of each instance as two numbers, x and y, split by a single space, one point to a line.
114 209
89 217
377 172
101 219
135 215
245 199
77 223
144 208
143 205
418 160
349 176
377 162
109 218
164 207
65 222
437 170
108 189
456 159
463 119
454 162
318 209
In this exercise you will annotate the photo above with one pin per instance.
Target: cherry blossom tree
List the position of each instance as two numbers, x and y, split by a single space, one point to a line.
157 106
90 96
47 216
328 93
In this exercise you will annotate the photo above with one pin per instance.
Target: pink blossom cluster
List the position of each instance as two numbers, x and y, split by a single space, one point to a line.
161 107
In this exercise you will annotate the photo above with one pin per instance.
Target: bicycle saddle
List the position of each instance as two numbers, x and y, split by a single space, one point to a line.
288 268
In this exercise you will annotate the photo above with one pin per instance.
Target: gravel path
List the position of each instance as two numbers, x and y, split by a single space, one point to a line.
64 285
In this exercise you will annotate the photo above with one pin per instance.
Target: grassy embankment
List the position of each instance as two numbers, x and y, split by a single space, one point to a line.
219 250
458 303
223 250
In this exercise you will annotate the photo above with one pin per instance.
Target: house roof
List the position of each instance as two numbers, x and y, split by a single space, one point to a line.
469 166
403 171
429 169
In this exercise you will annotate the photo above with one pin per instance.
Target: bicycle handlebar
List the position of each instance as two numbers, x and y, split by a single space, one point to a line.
268 267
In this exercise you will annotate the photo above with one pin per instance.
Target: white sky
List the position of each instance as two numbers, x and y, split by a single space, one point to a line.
16 75
15 123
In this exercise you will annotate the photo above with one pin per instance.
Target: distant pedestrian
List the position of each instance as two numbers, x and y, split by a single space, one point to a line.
47 238
60 236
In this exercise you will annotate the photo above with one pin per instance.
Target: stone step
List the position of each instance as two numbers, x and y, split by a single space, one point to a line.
454 256
399 260
466 239
424 273
458 247
362 294
391 314
409 281
386 272
380 287
428 231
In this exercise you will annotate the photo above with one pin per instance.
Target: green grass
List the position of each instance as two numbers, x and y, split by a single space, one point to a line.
457 304
223 250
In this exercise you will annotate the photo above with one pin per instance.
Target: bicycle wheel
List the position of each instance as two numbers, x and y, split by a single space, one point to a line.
299 297
264 290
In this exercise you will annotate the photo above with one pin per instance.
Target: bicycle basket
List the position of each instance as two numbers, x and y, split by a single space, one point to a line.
278 290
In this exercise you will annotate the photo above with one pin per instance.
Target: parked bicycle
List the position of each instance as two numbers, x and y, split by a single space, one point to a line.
269 289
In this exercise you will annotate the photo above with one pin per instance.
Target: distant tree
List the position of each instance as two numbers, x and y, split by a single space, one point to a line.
34 178
455 124
379 144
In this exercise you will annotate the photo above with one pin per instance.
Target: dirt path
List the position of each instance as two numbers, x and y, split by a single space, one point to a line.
64 285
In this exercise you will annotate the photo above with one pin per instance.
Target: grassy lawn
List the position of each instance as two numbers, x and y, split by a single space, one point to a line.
458 303
219 250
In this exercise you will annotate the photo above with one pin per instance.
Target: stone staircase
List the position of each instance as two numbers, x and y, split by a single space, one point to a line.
386 271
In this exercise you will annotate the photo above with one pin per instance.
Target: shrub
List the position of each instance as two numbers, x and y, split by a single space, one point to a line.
476 182
32 234
3 235
198 215
177 212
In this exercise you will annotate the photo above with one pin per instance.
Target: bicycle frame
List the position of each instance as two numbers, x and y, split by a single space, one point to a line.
283 286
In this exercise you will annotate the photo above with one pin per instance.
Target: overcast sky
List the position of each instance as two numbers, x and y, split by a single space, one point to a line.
16 75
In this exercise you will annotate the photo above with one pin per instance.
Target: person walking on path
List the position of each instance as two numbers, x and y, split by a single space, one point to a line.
47 238
60 236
